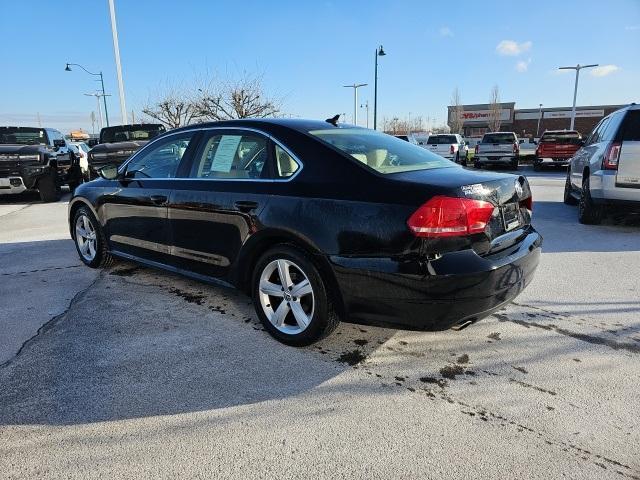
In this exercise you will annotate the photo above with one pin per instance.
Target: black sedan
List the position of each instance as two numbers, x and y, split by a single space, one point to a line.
316 222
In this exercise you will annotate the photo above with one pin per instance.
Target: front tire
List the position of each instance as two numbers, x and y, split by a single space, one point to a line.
48 188
291 298
89 239
537 165
477 165
588 212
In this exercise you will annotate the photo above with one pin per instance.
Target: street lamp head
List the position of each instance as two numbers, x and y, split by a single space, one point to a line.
381 52
67 68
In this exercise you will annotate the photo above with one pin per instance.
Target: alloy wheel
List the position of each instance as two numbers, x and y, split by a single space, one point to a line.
86 238
286 296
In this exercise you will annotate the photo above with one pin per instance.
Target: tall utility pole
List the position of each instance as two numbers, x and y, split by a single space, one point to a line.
577 68
116 51
355 87
539 117
379 53
365 105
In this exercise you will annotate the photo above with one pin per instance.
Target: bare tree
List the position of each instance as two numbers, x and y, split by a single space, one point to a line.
402 126
241 98
173 108
456 121
494 110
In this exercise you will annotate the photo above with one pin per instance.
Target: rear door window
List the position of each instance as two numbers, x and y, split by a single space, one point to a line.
442 140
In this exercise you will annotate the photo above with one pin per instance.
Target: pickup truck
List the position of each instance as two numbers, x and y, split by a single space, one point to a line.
118 143
39 159
450 146
557 147
497 148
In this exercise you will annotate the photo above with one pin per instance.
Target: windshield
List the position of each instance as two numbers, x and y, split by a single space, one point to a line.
442 140
384 153
499 138
562 137
22 136
128 133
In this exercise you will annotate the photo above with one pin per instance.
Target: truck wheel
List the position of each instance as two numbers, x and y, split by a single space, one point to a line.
457 157
588 212
514 164
537 164
48 188
568 198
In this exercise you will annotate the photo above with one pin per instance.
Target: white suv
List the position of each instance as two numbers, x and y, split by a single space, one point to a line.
450 146
605 172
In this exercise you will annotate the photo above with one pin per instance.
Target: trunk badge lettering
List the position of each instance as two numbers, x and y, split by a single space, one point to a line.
475 189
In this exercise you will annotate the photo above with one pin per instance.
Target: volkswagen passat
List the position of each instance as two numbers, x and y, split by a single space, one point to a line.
316 222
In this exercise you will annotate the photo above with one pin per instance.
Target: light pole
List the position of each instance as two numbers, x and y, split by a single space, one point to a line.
104 95
577 68
98 95
365 105
539 117
355 87
116 51
379 53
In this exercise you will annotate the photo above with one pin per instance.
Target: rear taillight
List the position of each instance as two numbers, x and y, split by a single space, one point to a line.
477 145
450 217
611 156
451 149
527 203
516 148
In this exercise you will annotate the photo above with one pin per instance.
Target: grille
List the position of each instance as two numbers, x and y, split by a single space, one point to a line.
9 168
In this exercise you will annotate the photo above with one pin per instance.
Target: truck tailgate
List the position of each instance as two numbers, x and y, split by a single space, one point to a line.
628 175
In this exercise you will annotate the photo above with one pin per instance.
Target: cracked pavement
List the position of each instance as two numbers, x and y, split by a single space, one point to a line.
132 373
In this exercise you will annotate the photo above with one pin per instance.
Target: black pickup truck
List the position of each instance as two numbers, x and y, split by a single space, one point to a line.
118 143
34 158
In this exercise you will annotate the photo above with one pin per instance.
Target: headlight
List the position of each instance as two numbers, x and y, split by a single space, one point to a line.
99 156
121 153
28 157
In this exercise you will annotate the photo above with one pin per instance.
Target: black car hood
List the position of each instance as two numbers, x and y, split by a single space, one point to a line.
22 149
118 146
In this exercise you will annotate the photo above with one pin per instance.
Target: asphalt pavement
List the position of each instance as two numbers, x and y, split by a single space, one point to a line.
133 373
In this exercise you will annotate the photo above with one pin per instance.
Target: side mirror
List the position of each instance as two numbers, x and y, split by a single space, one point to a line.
109 172
58 143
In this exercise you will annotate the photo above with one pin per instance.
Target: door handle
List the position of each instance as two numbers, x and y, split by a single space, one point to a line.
246 205
158 199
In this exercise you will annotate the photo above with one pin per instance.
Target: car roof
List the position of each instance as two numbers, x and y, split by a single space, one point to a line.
299 124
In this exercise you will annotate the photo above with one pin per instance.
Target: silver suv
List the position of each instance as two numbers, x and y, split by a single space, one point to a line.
605 172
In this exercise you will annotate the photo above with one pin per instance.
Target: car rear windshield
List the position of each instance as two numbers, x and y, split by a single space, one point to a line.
498 138
631 129
381 152
128 133
561 137
22 136
442 140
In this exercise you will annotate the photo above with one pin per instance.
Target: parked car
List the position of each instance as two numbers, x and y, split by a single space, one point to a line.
556 147
604 175
528 147
317 222
498 148
450 146
81 150
119 142
34 158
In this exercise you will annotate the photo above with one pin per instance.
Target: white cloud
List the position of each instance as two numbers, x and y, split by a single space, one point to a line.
446 32
513 48
523 65
604 70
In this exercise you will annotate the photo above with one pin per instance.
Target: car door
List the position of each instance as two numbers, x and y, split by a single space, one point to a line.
583 157
134 207
213 212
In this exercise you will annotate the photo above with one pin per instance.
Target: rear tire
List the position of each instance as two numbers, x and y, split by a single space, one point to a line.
48 188
569 199
588 212
89 239
537 165
296 320
477 165
514 164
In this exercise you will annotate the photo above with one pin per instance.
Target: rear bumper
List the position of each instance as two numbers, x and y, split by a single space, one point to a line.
457 287
494 159
604 190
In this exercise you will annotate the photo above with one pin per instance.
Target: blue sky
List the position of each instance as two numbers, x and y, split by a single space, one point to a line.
308 50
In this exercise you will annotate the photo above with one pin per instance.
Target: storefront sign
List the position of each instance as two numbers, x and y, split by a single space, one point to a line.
482 116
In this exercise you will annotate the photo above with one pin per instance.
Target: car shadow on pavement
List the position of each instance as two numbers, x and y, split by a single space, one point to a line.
141 343
558 224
